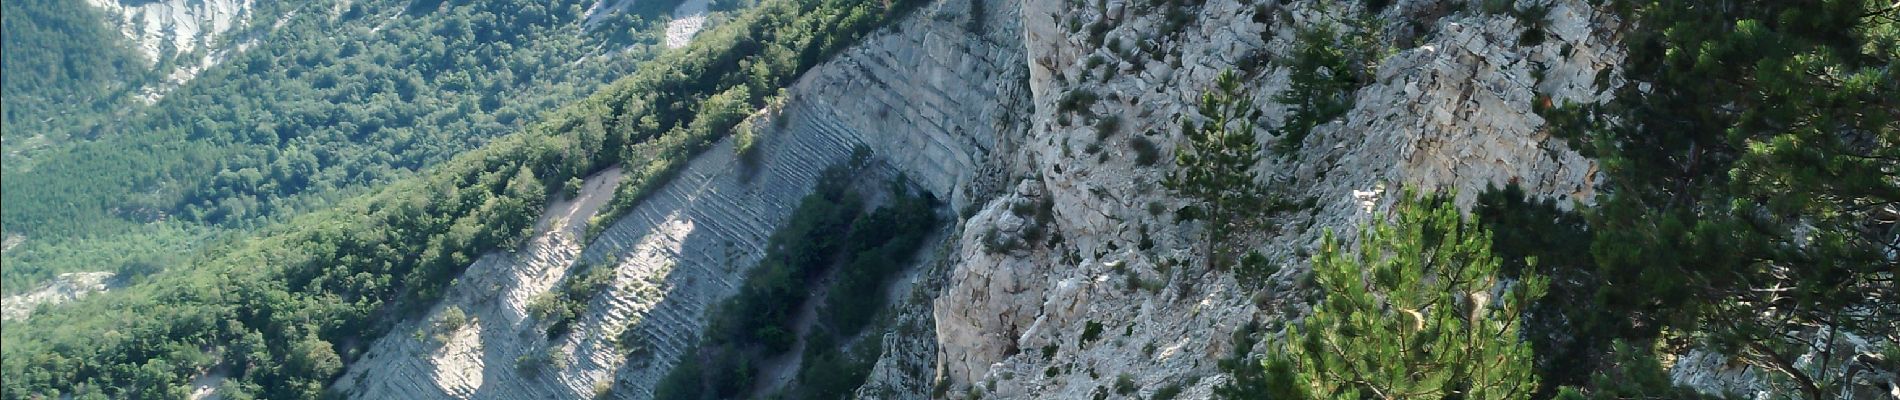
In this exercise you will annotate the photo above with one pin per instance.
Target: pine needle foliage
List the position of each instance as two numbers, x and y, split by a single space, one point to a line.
1417 312
1754 180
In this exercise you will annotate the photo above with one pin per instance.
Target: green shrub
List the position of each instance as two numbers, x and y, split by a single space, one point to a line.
1076 100
745 144
1098 30
976 15
559 307
1533 17
451 320
1254 269
1090 332
572 188
1125 384
551 358
1168 392
1106 127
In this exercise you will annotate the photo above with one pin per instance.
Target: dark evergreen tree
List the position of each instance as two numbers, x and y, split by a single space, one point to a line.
1326 67
1215 164
1753 179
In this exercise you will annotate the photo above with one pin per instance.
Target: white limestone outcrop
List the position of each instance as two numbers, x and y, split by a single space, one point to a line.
63 288
205 31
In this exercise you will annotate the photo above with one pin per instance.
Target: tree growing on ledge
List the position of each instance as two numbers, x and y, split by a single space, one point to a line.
1216 163
1413 314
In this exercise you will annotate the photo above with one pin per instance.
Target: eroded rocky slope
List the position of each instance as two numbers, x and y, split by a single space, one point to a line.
188 36
65 287
678 252
1453 111
969 99
906 95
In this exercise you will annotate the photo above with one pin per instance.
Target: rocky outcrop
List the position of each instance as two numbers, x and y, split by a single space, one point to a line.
708 241
1120 288
203 32
160 29
688 19
906 94
1856 365
1457 111
430 358
63 288
1068 270
941 96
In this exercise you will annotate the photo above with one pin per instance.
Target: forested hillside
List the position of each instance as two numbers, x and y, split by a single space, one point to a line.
325 105
280 314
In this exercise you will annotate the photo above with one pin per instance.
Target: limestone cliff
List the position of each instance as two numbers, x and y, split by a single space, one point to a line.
1067 269
1452 109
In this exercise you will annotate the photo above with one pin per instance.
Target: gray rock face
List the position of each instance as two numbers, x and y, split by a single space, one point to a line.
973 100
1854 361
1453 111
945 104
160 29
418 360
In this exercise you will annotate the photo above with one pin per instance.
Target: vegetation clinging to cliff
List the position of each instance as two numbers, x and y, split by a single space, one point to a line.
830 234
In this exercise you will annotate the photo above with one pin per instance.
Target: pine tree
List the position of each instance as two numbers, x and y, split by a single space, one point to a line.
1757 213
1326 68
1415 313
1216 163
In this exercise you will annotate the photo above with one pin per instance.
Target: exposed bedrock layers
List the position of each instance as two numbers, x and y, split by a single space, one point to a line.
928 97
684 248
904 94
942 97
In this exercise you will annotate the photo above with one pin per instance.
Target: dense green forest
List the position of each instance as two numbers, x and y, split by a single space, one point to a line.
323 107
281 313
64 68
